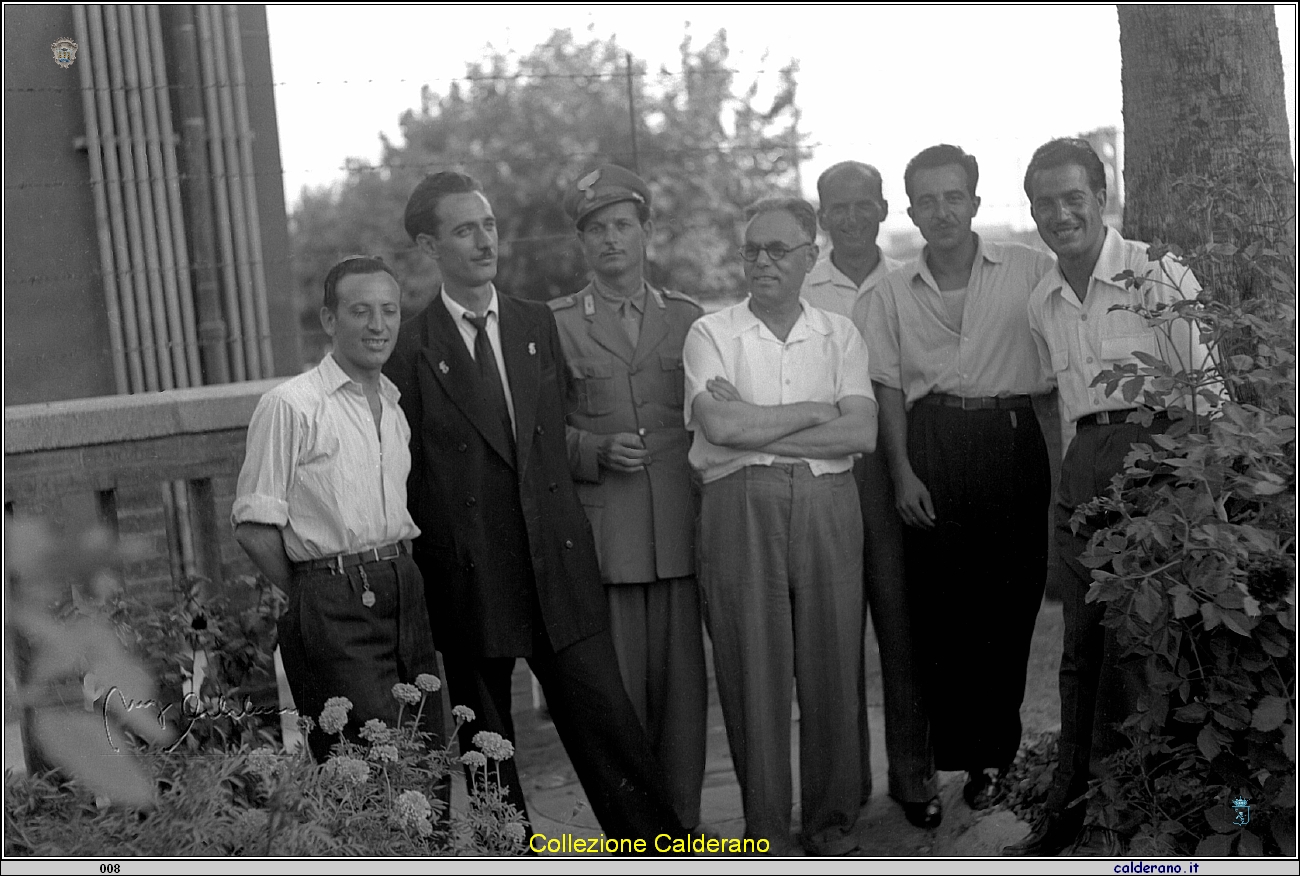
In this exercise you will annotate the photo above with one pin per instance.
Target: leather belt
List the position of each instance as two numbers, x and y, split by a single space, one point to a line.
340 562
1009 403
1113 418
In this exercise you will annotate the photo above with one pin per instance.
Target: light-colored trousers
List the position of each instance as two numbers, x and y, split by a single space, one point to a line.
781 576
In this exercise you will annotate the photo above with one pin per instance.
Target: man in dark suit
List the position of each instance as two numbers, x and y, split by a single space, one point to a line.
506 551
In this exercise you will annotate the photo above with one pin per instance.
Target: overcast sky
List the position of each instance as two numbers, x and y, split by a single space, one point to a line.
875 83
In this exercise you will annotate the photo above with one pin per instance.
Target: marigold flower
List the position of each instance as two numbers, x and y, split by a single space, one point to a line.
384 752
407 693
474 759
514 831
412 809
333 719
463 713
347 769
375 731
339 703
494 745
263 762
426 682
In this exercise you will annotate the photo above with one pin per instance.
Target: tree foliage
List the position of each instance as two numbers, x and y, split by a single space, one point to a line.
529 128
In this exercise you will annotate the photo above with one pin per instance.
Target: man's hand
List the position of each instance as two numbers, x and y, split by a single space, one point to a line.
722 390
622 451
912 500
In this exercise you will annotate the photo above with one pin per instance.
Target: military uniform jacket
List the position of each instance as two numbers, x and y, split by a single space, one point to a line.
643 522
501 532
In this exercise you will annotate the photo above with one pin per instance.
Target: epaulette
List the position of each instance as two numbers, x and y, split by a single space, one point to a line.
681 296
562 302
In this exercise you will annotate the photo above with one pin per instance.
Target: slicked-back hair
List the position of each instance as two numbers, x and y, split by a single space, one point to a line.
1064 151
866 170
798 208
354 264
943 155
421 216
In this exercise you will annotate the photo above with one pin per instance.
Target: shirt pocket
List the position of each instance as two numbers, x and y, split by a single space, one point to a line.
1122 333
674 374
1060 359
594 385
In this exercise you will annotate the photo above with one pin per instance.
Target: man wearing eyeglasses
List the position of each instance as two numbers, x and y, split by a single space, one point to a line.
778 395
622 341
852 207
955 366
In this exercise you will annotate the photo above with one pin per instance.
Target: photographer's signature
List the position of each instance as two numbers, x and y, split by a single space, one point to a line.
193 708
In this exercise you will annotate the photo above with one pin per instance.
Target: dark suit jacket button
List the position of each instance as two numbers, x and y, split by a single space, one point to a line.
471 501
568 542
553 487
462 447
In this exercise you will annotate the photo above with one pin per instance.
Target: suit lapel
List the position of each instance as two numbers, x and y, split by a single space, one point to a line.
522 349
449 360
654 326
606 329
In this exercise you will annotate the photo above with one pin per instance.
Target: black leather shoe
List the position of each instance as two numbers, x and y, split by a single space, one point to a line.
1055 833
927 815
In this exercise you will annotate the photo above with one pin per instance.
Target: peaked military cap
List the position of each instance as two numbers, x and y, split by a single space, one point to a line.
607 184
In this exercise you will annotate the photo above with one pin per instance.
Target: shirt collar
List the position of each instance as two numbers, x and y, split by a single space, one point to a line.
811 320
458 313
335 378
616 301
984 251
1111 260
825 271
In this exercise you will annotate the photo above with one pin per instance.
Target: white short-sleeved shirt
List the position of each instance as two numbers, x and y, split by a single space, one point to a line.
829 288
822 360
914 349
1078 340
317 468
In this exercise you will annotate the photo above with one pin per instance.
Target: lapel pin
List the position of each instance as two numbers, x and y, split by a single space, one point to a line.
442 366
532 349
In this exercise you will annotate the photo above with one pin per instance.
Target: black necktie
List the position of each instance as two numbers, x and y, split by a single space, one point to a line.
489 377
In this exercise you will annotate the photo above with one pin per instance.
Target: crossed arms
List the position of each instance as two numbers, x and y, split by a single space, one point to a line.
813 430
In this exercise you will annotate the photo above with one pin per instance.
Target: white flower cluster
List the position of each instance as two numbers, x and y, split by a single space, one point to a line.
334 717
407 693
347 769
412 809
376 732
430 683
473 759
384 753
463 713
494 745
263 762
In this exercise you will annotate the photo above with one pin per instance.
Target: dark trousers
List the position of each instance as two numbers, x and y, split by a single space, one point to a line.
333 645
907 728
1089 652
975 581
659 640
623 781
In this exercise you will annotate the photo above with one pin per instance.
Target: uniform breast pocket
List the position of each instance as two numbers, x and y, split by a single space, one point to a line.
594 383
675 376
1060 359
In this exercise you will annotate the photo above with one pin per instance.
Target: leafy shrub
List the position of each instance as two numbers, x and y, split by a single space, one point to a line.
1197 566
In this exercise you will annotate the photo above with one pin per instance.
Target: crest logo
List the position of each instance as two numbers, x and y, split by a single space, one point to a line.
1242 815
65 52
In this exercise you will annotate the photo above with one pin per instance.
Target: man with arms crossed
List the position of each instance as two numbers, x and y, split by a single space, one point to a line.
778 396
851 210
623 340
321 509
954 367
1078 337
506 550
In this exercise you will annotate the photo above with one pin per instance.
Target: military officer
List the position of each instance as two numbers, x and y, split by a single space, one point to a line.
622 339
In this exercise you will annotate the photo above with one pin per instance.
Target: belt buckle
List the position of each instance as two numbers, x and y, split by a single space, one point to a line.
336 564
1103 418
